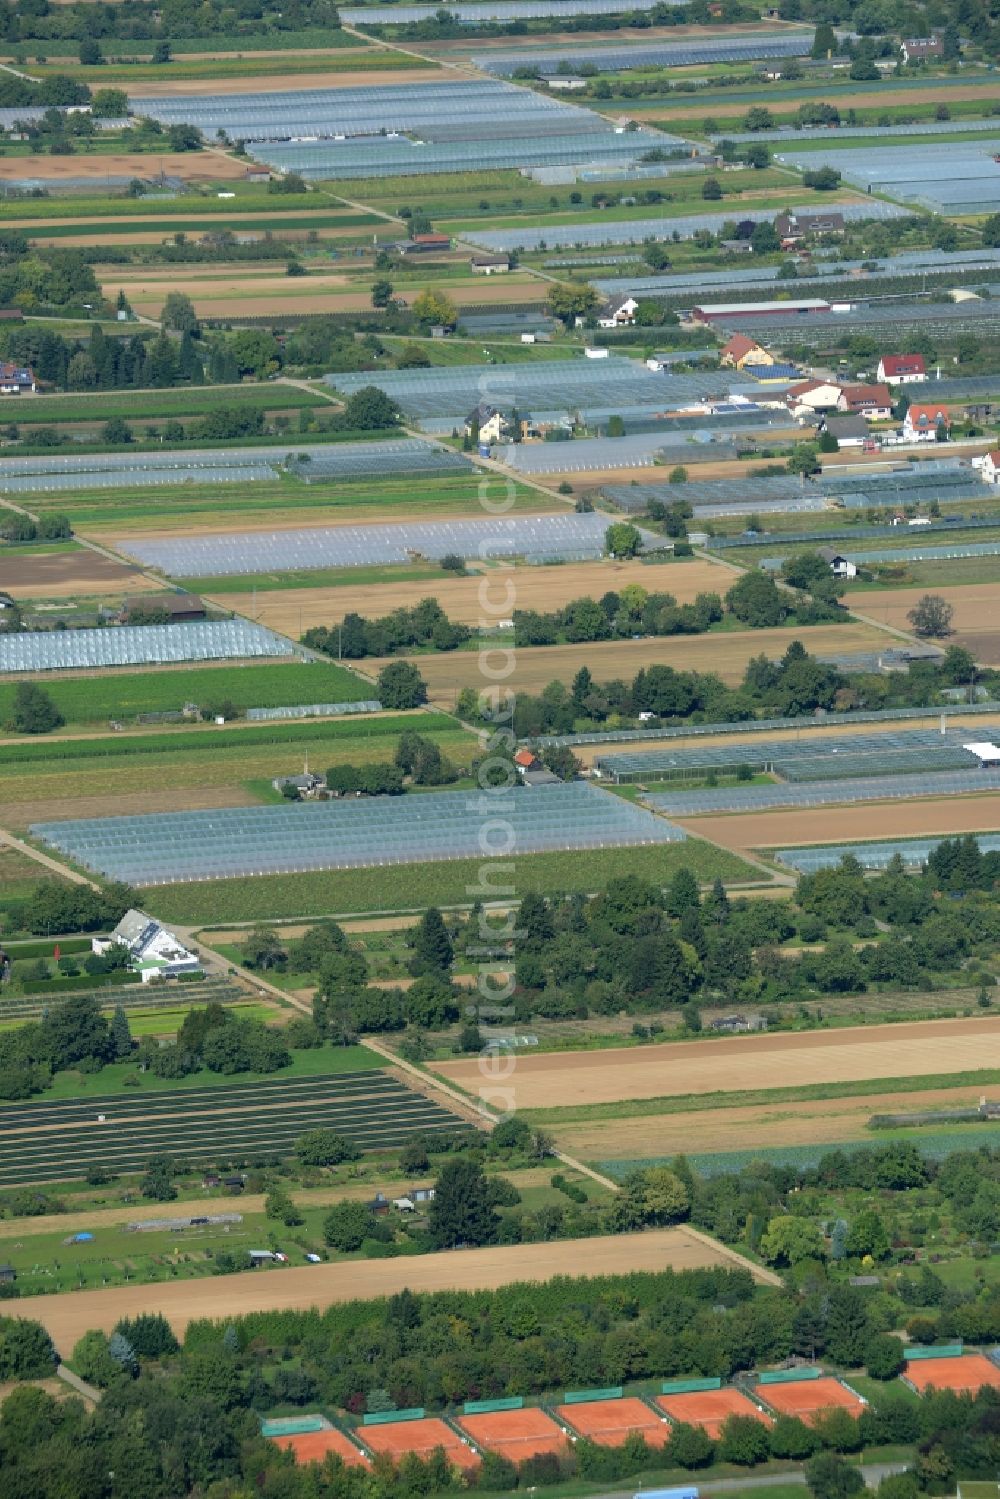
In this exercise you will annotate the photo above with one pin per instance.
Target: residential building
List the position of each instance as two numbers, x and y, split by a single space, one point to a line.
919 48
902 369
871 401
16 379
424 244
489 423
839 565
793 227
990 467
812 395
154 951
306 783
850 431
923 420
617 313
741 351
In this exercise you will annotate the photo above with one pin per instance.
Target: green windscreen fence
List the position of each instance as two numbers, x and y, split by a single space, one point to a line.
382 1418
688 1386
292 1426
580 1397
946 1350
483 1407
789 1376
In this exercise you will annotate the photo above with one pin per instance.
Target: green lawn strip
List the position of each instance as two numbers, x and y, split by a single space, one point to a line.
362 59
687 1103
246 199
321 1061
181 742
37 549
149 226
625 212
415 886
320 577
122 695
192 400
168 1022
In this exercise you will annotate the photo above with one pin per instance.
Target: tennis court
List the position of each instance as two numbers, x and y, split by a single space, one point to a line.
313 1447
809 1398
516 1435
966 1374
609 1422
397 1438
710 1409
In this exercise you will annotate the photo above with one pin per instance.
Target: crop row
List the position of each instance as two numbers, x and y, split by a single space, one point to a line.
190 401
180 743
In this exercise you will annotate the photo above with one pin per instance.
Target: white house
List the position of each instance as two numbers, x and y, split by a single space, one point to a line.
990 467
155 952
923 421
839 565
618 314
812 395
489 422
16 379
902 369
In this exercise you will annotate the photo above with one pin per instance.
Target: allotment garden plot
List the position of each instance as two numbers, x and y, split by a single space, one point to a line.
354 834
57 1141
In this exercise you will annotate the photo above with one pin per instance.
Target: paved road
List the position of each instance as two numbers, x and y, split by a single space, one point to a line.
873 1474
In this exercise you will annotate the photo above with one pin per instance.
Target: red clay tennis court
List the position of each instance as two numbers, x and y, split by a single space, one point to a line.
399 1437
516 1435
313 1446
609 1422
710 1409
809 1398
966 1374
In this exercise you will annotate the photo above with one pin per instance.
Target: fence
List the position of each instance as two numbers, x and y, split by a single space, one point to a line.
383 1418
789 1376
485 1407
946 1350
689 1386
582 1397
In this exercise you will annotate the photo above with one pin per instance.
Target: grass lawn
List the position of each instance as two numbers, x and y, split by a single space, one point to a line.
122 695
320 577
415 886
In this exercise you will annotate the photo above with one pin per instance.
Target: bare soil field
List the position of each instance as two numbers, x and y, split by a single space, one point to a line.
817 1122
60 575
976 725
69 1316
193 166
20 814
296 609
945 815
976 620
726 655
146 88
305 294
563 1079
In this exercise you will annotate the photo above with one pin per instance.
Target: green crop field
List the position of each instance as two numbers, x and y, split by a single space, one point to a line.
193 400
415 886
224 507
121 695
359 59
238 221
244 1121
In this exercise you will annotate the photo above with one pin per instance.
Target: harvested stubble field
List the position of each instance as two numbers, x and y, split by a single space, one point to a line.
976 621
466 599
725 654
805 1122
68 1317
67 574
782 104
315 292
945 815
19 814
762 1061
192 166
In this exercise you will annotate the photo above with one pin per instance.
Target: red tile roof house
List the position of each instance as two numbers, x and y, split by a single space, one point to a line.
923 419
902 369
15 379
871 401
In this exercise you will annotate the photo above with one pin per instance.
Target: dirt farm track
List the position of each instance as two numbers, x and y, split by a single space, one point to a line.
915 1049
67 1317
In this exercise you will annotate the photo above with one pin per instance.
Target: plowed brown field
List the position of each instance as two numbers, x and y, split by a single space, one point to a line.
726 655
60 575
976 620
863 99
69 1316
901 819
712 1066
296 609
193 166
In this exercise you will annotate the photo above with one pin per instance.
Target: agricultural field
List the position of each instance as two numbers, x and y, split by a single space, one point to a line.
726 654
47 1141
414 886
124 694
897 819
292 610
554 1081
975 618
150 405
68 1317
68 571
